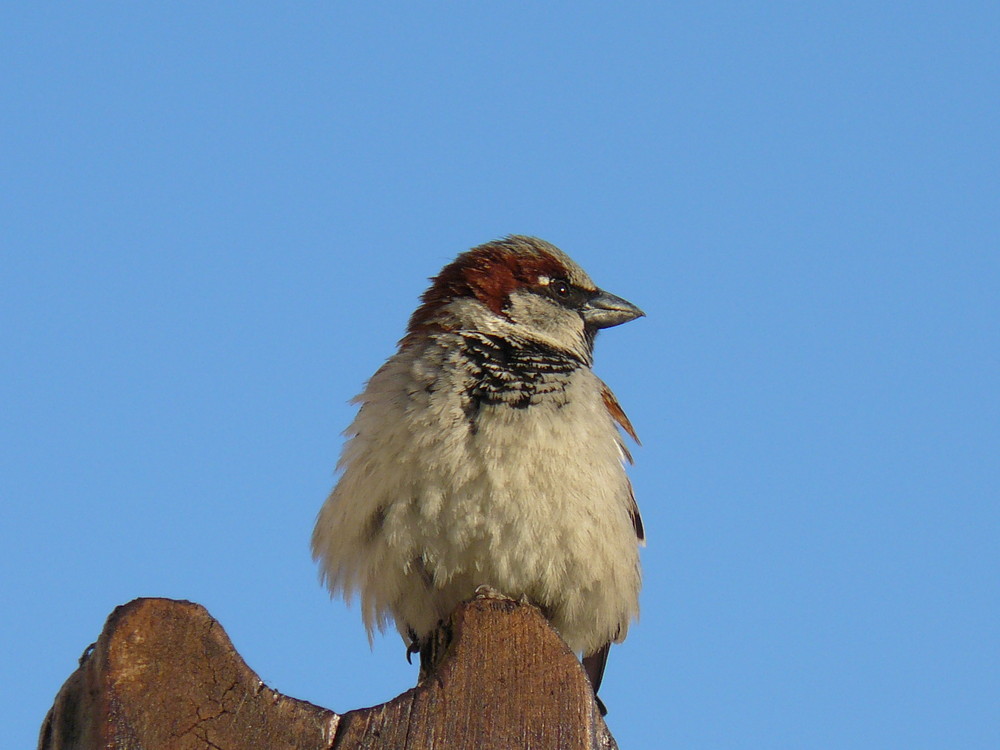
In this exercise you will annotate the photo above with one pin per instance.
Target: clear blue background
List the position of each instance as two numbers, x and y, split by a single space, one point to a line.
215 219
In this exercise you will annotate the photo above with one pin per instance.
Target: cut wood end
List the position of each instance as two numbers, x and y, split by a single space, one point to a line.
164 674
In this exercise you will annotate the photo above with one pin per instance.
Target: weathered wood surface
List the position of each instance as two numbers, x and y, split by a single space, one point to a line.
163 674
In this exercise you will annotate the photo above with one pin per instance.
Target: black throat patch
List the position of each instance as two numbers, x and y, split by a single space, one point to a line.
515 373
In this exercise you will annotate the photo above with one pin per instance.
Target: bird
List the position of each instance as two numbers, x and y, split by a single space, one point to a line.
486 452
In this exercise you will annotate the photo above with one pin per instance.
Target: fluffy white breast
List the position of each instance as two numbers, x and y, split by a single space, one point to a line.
439 495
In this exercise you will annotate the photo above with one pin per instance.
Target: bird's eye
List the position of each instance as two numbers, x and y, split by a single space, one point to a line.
560 288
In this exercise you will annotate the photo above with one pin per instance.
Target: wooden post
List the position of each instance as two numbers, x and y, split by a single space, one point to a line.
163 674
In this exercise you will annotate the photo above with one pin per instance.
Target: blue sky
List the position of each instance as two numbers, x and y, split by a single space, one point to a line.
216 219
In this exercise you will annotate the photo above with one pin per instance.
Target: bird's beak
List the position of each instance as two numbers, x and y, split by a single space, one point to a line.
604 310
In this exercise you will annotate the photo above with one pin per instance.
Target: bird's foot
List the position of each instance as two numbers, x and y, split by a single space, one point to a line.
431 649
486 591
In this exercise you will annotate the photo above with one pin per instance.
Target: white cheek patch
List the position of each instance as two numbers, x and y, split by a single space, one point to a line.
534 316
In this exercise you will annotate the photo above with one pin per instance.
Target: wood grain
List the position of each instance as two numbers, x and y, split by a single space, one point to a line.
163 674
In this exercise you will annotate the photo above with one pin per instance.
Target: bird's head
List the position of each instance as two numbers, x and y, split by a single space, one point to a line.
522 287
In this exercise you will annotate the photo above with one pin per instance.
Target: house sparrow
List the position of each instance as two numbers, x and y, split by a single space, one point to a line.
486 451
